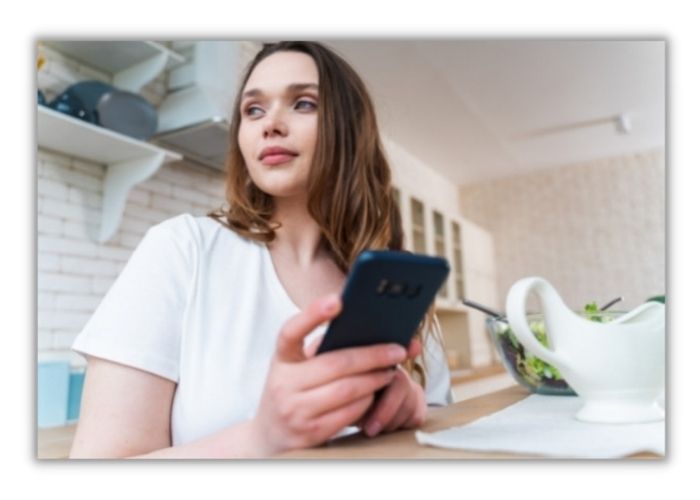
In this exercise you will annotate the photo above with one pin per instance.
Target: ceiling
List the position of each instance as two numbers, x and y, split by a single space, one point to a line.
478 110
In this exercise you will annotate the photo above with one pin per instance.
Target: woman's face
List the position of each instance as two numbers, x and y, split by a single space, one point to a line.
278 110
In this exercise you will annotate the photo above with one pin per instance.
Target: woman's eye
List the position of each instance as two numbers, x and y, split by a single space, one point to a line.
306 104
252 110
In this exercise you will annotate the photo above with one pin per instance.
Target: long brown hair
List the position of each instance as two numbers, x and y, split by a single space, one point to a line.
349 184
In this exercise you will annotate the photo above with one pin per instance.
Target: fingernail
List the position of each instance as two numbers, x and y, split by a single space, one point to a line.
373 429
397 352
330 305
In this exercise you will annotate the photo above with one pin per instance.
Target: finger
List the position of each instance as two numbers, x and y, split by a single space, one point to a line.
311 349
412 413
339 393
403 416
388 405
329 366
417 412
414 348
290 343
329 424
420 413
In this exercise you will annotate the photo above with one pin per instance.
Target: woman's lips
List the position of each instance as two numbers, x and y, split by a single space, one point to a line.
276 159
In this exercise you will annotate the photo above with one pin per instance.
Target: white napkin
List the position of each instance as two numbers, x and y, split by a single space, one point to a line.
545 426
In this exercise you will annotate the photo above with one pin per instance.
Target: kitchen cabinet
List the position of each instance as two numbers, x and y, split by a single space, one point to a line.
439 245
457 259
468 248
129 161
418 239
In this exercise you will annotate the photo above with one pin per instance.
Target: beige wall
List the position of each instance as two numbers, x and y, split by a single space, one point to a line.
595 230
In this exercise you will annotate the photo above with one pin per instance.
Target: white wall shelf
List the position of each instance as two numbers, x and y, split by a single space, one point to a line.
128 160
132 64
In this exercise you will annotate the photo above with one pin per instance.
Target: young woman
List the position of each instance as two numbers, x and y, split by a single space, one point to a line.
204 346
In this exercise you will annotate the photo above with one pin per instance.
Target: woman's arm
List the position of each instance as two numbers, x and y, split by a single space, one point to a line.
126 413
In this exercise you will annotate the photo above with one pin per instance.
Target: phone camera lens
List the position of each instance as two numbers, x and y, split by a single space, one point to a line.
413 292
396 289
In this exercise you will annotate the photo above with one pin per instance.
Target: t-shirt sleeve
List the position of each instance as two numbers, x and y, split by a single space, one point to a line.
438 387
140 320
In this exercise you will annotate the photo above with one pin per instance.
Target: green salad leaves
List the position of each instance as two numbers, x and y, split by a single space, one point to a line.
532 369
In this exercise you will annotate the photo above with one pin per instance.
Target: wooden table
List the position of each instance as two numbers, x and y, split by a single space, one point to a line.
56 443
403 444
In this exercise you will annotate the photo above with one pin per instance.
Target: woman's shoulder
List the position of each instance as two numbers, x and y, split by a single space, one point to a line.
200 230
185 223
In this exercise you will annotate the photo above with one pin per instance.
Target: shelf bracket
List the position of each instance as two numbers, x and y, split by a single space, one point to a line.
121 177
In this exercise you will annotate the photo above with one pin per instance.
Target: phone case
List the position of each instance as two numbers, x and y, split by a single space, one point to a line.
385 298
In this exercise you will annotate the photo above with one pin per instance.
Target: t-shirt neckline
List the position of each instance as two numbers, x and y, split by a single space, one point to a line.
277 283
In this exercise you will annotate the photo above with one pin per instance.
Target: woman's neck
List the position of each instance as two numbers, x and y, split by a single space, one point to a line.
299 237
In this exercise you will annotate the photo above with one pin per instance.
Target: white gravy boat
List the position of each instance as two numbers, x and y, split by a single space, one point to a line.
617 368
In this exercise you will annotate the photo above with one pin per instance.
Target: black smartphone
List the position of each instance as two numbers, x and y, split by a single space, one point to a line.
386 296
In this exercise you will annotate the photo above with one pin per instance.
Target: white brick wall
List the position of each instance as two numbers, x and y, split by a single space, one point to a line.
596 230
73 270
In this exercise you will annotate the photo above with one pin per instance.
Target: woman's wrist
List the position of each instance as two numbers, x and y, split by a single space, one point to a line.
256 443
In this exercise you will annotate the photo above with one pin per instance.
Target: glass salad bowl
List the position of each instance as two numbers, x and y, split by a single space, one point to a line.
528 370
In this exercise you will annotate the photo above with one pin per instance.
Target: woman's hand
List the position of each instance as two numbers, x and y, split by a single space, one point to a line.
306 400
400 405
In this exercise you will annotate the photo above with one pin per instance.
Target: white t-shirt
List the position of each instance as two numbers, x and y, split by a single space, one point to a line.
202 306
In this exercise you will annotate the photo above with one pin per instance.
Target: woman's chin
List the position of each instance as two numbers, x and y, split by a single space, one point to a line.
283 190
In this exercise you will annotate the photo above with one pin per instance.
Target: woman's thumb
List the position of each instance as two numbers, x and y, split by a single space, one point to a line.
290 343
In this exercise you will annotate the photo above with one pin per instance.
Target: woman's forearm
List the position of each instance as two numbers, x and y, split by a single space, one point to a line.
237 441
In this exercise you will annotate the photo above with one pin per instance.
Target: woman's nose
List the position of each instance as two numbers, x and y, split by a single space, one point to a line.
275 123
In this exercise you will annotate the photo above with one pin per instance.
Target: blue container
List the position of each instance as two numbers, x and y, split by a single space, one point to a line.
75 392
52 393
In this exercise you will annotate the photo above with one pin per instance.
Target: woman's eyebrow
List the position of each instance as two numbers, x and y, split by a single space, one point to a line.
294 87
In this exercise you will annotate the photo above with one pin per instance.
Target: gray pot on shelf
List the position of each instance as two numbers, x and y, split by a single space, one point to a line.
103 104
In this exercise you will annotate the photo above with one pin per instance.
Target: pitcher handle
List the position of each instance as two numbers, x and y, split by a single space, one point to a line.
515 311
